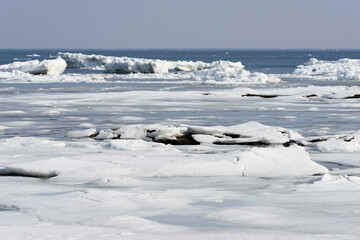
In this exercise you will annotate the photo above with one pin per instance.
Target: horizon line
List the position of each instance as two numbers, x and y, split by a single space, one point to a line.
187 49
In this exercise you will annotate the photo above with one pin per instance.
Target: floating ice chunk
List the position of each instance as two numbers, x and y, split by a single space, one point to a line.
51 67
103 135
168 133
33 55
339 145
343 69
52 112
131 132
82 133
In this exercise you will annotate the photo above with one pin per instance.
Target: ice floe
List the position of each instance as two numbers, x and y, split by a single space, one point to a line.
33 55
51 67
342 69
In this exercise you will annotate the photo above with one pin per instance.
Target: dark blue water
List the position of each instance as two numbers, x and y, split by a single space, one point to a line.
267 61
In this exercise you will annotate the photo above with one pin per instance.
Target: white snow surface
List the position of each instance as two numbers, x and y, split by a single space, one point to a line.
342 69
50 67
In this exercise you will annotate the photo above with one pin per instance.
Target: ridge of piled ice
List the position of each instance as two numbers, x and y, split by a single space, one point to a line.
126 65
51 67
230 72
79 60
224 71
246 133
342 69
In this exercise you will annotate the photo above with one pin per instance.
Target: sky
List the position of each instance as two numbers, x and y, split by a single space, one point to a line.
142 24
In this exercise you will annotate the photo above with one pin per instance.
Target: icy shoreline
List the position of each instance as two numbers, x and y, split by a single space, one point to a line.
186 153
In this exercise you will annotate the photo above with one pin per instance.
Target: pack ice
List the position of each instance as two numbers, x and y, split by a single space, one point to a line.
217 71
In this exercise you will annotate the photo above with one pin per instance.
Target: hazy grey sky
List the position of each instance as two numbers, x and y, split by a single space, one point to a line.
180 24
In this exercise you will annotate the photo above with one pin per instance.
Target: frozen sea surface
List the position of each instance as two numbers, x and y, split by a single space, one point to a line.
183 144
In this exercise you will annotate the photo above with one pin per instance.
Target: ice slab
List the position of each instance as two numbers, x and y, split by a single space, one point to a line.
50 67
